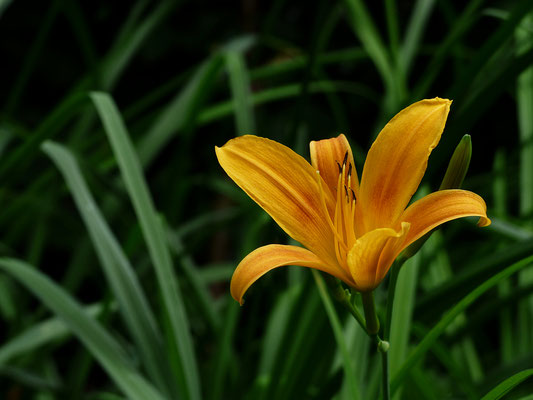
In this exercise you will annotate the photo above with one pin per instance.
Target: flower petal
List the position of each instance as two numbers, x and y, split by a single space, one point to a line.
325 154
285 185
266 258
372 255
440 207
398 159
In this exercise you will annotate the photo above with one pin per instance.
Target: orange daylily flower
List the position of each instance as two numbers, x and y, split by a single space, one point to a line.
349 230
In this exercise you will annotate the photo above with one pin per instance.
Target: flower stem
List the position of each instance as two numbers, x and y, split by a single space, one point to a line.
395 270
385 371
372 321
372 328
347 300
370 324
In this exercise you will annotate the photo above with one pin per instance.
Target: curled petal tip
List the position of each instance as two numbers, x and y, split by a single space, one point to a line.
238 297
484 221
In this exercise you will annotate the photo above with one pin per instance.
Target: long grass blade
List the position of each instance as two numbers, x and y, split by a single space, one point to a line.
507 385
155 238
180 111
123 50
241 93
225 352
426 343
402 314
39 335
226 108
415 29
119 272
467 18
100 343
524 98
435 301
50 127
336 326
365 29
491 46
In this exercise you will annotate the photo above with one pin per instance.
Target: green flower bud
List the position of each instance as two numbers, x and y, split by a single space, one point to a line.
453 179
383 346
458 166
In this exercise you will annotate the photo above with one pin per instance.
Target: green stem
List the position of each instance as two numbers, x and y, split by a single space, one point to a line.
370 324
385 371
395 270
346 299
372 328
372 321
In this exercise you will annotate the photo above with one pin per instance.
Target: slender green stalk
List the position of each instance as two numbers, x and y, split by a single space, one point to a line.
339 334
395 270
372 321
347 299
372 324
385 374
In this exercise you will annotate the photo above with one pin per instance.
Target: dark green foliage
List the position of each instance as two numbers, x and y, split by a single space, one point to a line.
119 230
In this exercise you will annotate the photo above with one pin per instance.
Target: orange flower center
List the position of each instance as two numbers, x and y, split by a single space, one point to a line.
343 222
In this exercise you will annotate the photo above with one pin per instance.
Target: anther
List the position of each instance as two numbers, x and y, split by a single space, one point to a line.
353 195
349 169
340 168
347 195
345 158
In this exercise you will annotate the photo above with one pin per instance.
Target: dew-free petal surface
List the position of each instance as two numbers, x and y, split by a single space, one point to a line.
397 160
266 258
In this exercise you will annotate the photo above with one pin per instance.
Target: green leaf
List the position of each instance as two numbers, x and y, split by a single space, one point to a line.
507 385
240 90
38 335
402 313
415 28
51 126
225 351
456 32
349 370
154 235
133 34
199 286
98 341
118 270
180 111
365 29
524 98
438 329
226 108
433 302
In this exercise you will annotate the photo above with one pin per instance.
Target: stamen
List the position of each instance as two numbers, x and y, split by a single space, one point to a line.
339 220
345 158
340 168
349 170
351 225
338 238
326 213
353 196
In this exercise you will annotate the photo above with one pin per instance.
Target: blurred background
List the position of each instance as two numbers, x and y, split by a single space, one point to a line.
120 231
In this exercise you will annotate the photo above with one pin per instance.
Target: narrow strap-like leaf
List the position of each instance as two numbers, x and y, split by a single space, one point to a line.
118 270
111 356
438 329
507 385
154 235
